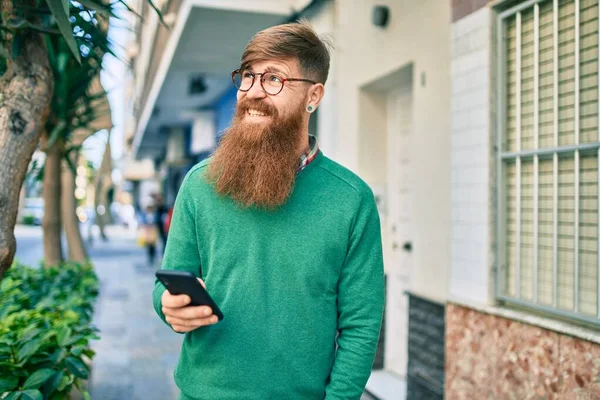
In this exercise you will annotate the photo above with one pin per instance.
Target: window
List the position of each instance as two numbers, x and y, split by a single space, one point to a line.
549 142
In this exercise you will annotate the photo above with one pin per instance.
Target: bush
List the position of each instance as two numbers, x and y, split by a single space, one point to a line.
45 330
29 220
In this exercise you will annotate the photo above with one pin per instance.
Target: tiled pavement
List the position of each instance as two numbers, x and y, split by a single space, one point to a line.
137 353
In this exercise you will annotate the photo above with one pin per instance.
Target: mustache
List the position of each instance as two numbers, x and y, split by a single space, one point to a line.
265 108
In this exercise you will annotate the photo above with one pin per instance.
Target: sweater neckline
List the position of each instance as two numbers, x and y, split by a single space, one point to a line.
317 160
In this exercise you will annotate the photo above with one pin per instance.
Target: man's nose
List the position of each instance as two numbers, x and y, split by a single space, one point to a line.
256 91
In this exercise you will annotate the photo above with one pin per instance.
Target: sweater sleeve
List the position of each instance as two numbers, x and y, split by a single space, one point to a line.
360 306
181 252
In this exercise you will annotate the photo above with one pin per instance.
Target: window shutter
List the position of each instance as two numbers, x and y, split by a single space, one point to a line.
588 71
588 233
549 183
546 232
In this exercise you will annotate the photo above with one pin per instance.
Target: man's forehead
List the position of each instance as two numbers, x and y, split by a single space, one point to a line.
281 66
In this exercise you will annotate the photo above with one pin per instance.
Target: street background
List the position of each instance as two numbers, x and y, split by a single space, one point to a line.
136 354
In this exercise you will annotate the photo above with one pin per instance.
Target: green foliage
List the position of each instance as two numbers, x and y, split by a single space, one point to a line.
45 330
59 18
73 105
28 220
61 13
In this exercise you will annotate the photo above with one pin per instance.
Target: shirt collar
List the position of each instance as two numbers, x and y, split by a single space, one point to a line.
309 156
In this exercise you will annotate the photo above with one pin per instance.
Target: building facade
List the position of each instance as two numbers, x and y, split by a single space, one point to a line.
523 309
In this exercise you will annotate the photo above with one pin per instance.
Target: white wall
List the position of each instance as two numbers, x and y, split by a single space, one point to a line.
324 24
418 33
471 149
149 28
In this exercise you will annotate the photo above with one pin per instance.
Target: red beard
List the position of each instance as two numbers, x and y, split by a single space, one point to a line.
256 163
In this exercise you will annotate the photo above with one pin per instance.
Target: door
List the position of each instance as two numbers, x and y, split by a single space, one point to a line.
398 226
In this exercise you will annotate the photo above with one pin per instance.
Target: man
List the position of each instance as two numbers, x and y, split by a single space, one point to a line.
287 241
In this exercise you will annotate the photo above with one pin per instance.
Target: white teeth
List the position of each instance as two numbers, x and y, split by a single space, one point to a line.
255 113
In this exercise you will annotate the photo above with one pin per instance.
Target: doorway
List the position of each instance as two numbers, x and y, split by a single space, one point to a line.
385 162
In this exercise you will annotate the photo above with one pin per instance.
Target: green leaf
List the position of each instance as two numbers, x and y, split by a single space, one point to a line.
8 309
49 334
160 16
56 133
32 394
64 382
53 382
38 378
62 335
13 396
60 11
5 348
17 23
66 4
74 171
89 353
43 29
97 6
77 350
8 383
58 355
30 334
131 10
86 396
28 349
77 367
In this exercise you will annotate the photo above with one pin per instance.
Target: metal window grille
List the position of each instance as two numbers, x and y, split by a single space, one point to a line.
548 149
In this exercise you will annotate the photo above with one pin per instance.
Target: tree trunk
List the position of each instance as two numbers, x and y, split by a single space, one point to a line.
76 247
25 95
52 222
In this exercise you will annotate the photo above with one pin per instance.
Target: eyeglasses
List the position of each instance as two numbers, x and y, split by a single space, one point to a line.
271 83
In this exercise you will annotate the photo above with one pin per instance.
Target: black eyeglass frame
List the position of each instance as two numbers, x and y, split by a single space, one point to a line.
255 74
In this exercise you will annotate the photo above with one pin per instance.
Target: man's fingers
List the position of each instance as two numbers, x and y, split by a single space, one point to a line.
175 301
202 283
182 329
192 312
192 323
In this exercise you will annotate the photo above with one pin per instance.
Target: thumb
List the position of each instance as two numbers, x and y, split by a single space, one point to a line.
202 283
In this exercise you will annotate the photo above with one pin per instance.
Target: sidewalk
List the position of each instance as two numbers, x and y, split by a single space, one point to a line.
136 354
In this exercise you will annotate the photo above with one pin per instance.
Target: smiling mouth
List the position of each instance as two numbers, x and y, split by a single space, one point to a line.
254 113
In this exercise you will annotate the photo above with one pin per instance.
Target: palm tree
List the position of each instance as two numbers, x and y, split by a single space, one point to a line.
31 32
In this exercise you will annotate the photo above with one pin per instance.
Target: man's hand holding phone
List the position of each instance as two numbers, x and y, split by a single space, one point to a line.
183 317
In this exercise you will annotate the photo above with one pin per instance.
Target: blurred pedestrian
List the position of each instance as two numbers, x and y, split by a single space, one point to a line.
287 240
160 214
149 233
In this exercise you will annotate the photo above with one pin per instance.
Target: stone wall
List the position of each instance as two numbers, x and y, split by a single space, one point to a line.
490 357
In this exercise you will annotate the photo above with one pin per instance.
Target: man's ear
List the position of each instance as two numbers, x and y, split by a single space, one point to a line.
316 94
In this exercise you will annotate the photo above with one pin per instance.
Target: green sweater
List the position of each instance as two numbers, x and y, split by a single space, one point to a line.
287 281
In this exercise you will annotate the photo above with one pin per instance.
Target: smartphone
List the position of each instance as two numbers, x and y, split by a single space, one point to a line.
183 282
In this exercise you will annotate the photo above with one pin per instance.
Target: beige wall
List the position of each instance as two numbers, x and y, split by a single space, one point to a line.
324 24
418 33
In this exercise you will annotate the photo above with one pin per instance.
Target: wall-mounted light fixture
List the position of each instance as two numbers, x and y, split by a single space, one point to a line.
380 16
